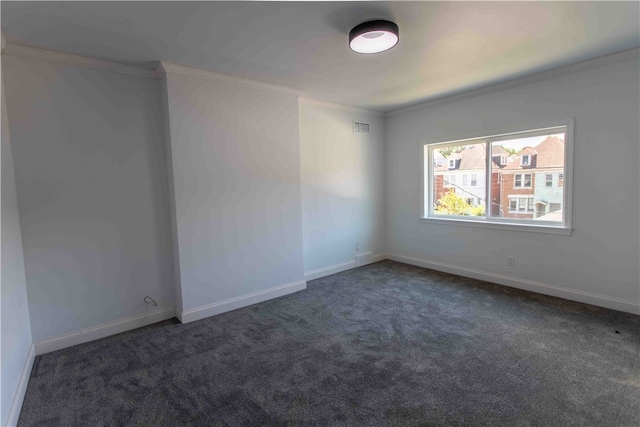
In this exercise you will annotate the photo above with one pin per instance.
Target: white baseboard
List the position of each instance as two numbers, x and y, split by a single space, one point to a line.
18 397
527 285
101 331
191 315
321 272
359 261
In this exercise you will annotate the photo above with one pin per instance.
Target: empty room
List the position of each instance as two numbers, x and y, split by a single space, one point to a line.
320 213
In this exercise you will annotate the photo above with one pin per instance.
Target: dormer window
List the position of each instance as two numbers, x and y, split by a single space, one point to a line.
525 160
452 163
503 160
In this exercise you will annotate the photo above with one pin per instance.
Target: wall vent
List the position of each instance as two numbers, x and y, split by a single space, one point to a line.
359 127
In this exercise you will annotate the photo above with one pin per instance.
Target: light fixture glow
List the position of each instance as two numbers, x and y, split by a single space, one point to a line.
373 37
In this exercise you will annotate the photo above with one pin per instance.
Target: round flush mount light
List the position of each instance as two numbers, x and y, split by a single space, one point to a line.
373 36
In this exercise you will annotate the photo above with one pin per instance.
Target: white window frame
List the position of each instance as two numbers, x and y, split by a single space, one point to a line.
473 179
522 175
528 157
452 163
428 216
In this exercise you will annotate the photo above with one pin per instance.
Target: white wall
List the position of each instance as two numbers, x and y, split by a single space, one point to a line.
91 176
236 175
601 256
342 185
16 327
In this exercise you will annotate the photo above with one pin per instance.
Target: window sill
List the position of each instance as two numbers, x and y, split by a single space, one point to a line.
530 228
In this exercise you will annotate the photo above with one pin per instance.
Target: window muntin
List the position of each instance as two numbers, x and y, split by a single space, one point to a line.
548 180
533 202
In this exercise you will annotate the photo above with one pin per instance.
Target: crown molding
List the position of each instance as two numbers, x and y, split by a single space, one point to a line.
169 68
75 60
341 107
521 81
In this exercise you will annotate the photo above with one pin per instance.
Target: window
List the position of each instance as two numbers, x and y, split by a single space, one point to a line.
488 200
452 163
522 180
520 204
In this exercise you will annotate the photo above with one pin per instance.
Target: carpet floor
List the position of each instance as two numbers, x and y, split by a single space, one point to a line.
386 344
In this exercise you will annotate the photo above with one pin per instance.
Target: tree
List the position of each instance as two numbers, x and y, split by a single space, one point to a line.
452 204
510 150
447 151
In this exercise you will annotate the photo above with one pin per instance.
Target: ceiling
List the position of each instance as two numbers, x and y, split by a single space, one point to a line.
445 47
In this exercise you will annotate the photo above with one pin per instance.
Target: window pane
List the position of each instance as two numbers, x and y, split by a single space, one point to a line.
452 168
523 187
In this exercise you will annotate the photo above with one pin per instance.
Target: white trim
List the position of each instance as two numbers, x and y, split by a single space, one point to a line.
327 271
18 397
524 284
488 223
338 268
220 307
341 107
76 60
519 81
101 331
179 314
170 68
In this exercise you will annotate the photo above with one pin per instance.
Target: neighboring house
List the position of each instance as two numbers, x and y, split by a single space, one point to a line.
526 186
463 172
550 176
516 182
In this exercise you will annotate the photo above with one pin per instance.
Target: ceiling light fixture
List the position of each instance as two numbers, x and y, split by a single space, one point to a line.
373 36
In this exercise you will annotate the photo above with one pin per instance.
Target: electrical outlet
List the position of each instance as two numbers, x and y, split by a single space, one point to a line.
357 247
511 261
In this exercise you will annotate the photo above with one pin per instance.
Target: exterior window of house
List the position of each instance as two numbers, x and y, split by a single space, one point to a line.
548 180
530 204
490 201
522 180
521 204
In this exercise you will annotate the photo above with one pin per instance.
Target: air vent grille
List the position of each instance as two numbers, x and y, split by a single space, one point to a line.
359 127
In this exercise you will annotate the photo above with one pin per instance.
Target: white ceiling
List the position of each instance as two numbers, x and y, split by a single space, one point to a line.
445 47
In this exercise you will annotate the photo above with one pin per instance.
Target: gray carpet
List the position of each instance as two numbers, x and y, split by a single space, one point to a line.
386 344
